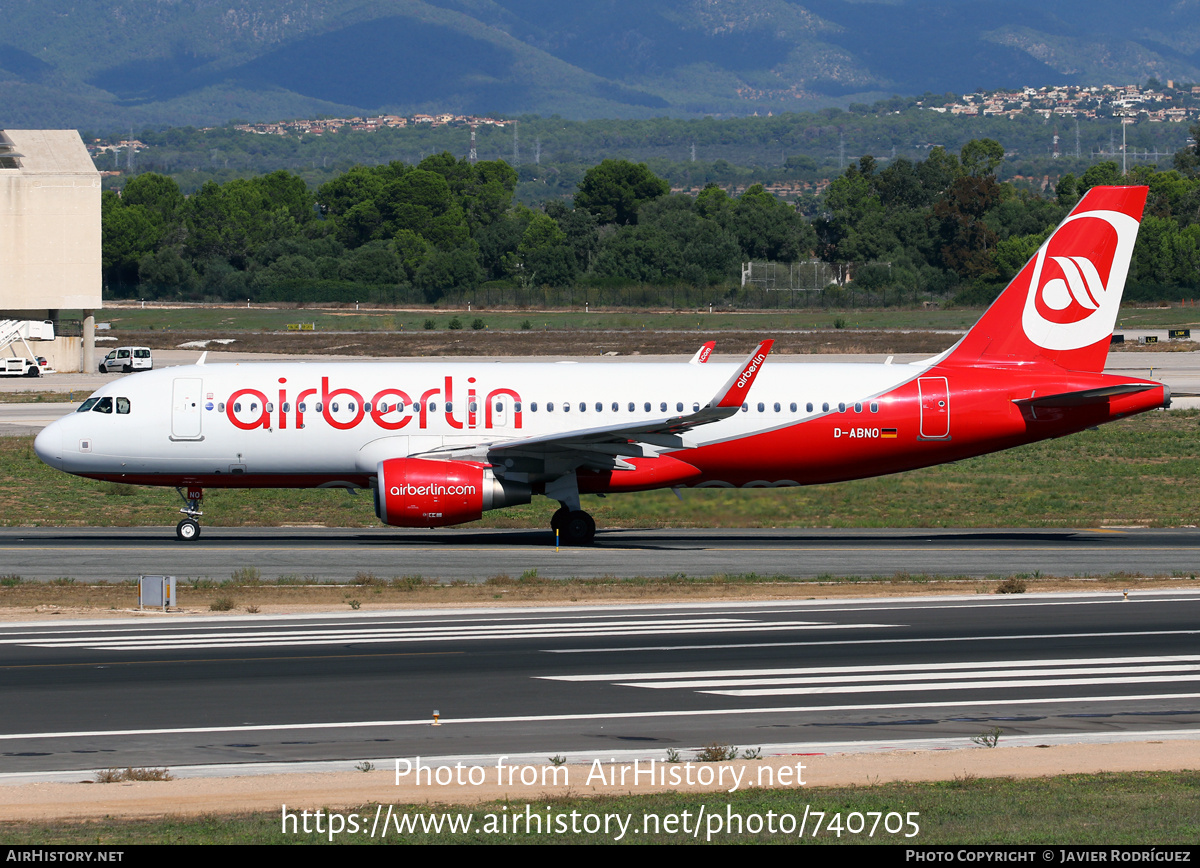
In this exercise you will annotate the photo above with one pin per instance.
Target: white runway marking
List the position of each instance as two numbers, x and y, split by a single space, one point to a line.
439 633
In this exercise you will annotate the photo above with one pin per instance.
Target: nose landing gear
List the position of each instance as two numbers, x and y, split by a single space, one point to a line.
189 529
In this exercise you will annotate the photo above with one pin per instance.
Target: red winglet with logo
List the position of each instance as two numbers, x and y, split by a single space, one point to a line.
734 392
703 353
1062 306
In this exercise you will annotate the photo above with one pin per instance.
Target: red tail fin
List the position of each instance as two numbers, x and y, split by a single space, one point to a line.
1062 307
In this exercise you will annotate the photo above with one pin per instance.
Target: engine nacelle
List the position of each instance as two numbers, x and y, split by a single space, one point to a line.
417 492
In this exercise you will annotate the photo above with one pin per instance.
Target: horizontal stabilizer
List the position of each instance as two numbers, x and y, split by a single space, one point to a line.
1084 396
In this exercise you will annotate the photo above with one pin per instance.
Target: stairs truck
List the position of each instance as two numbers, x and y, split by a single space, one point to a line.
15 333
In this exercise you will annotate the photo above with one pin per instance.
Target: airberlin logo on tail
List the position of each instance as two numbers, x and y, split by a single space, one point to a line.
1077 281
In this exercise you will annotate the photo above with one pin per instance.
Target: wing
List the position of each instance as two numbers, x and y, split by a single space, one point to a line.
604 447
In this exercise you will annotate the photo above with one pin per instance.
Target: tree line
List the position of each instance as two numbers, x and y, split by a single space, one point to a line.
443 228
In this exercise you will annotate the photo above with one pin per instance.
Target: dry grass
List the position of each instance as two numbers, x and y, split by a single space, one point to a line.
117 776
34 600
558 342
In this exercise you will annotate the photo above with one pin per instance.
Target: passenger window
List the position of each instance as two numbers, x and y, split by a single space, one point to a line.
808 407
349 406
679 406
631 406
582 407
761 406
104 405
616 406
647 406
499 407
532 407
566 406
366 407
332 407
432 407
270 407
221 407
287 408
449 407
302 407
516 406
123 406
777 407
841 408
745 408
320 407
662 407
825 407
237 407
599 407
857 407
793 407
253 406
550 407
696 407
874 407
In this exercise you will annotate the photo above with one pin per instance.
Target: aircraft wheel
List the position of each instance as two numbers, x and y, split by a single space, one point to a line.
579 529
559 518
188 530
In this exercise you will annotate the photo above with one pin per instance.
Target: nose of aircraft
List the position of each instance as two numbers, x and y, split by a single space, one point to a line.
48 445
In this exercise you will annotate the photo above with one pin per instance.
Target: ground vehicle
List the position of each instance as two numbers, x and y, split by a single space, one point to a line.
20 366
127 360
439 443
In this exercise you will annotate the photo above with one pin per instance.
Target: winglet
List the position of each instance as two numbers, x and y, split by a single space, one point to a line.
703 353
734 392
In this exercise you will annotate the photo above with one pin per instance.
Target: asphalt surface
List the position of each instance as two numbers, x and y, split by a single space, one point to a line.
597 680
337 555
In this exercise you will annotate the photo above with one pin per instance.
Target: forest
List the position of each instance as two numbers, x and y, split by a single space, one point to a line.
446 230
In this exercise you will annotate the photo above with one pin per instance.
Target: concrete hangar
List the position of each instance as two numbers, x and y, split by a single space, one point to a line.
50 258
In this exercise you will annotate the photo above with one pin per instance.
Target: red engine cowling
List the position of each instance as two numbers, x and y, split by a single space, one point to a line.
417 492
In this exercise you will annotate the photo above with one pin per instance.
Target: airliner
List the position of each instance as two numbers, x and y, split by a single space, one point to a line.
440 443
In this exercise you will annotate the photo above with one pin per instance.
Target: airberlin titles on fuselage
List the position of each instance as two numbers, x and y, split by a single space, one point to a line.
389 408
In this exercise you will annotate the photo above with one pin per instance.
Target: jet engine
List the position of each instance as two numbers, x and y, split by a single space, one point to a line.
417 492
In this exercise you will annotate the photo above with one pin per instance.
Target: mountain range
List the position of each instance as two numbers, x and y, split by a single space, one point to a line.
113 64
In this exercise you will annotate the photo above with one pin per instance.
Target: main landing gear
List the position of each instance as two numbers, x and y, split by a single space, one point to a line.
189 529
573 526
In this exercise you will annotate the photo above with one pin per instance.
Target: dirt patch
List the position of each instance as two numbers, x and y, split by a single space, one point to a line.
31 601
556 342
339 790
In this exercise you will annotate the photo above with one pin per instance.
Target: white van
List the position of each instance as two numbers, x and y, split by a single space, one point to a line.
126 360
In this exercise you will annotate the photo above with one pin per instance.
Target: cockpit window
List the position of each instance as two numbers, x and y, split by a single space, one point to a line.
123 406
104 405
87 405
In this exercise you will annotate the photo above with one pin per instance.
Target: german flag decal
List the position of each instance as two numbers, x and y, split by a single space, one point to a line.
887 434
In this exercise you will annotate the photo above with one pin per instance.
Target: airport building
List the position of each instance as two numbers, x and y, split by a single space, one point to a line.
50 255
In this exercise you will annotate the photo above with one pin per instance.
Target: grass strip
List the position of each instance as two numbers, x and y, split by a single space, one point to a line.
1137 472
1153 808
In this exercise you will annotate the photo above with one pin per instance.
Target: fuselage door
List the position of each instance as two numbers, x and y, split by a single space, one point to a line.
935 408
185 409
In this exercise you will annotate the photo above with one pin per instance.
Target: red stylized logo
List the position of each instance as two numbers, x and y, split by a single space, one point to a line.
1075 272
389 408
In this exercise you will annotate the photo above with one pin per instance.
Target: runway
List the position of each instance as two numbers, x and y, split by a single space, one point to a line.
599 679
337 555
